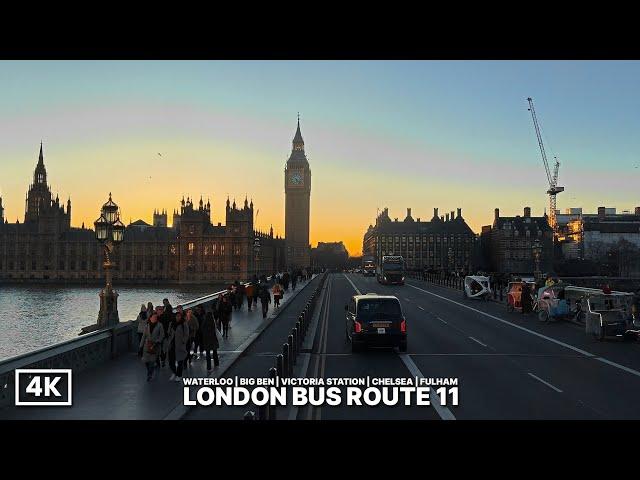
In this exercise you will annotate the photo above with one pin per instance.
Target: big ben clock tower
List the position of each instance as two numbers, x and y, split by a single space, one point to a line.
297 189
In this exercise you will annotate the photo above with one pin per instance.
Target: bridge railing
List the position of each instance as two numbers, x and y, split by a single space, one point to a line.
84 352
210 299
77 354
285 361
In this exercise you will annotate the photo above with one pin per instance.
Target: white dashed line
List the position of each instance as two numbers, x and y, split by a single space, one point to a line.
444 412
546 383
558 342
477 341
420 307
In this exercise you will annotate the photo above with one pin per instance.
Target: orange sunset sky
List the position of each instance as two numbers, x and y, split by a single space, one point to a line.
377 134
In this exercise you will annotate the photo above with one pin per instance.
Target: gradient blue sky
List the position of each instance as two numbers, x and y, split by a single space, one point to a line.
414 134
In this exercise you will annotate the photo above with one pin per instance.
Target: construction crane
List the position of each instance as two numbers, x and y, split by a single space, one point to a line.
552 177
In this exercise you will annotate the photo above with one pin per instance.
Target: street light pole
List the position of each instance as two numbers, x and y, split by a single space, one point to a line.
109 232
536 249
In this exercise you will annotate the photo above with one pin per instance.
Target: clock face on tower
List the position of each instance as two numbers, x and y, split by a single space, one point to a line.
296 179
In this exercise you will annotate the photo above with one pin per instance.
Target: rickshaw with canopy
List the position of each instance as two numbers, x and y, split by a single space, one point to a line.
476 286
609 315
558 301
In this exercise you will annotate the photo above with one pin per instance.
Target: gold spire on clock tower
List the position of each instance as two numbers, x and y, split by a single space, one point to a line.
297 186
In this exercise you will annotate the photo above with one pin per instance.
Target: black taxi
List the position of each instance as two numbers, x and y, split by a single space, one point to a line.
375 320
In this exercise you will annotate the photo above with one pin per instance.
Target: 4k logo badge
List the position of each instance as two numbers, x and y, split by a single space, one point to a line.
43 387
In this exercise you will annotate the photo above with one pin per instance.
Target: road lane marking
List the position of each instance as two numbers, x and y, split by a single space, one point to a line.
420 307
528 355
558 342
407 299
443 321
546 383
477 341
444 412
319 370
352 284
540 335
622 367
316 319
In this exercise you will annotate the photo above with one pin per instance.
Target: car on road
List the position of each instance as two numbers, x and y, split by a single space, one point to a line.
376 321
369 269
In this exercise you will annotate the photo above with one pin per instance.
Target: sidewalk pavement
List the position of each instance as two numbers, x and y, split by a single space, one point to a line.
118 390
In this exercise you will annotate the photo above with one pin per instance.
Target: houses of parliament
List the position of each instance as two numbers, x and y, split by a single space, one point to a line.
45 247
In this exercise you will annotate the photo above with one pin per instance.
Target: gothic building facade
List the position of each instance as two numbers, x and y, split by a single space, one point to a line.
45 247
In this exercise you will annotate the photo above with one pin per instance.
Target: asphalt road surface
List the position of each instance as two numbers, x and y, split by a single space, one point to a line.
508 365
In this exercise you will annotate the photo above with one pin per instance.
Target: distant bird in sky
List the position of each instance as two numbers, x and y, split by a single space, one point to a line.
159 154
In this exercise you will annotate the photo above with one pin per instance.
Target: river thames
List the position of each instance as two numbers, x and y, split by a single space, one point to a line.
36 316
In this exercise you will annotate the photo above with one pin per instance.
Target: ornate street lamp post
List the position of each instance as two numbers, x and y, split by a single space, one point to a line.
256 255
536 249
109 232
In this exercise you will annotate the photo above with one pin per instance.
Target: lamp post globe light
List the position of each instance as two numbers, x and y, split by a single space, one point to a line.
109 232
536 249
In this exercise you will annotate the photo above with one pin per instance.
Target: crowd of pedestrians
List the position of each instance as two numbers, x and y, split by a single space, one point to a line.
178 338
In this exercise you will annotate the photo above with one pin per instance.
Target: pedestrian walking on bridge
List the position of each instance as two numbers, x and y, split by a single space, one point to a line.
142 323
240 293
277 295
250 291
166 318
210 341
151 343
178 339
200 314
265 300
225 310
192 323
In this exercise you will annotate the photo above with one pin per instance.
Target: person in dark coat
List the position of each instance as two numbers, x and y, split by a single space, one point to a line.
192 322
240 293
250 292
265 300
142 323
225 309
231 294
525 298
199 313
178 339
151 343
166 318
209 339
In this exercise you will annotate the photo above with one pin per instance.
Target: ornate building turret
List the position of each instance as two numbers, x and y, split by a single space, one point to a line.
160 218
39 194
40 207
